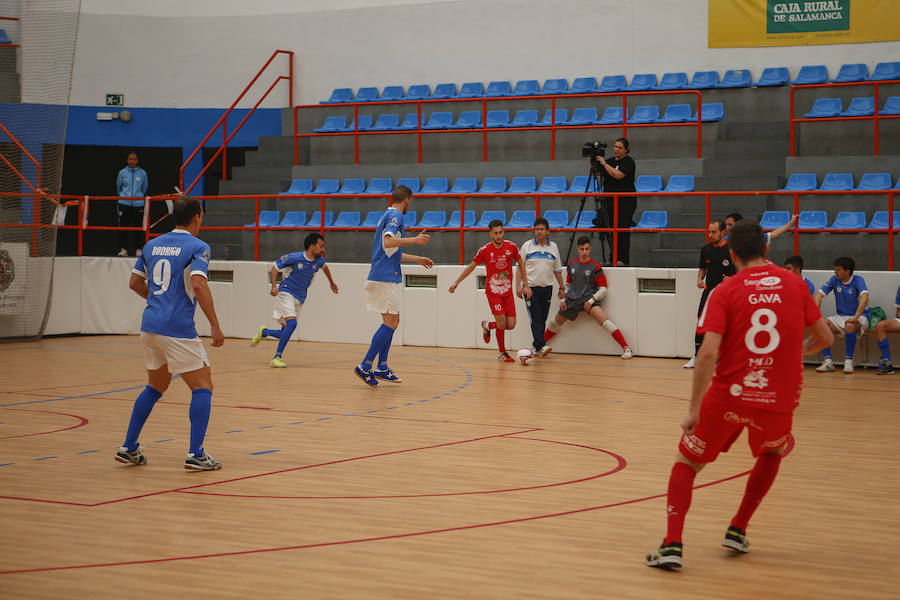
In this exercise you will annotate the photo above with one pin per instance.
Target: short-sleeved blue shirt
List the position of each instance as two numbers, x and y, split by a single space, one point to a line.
386 262
846 295
167 263
298 271
812 287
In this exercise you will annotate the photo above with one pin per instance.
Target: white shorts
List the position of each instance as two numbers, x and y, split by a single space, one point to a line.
383 296
183 355
286 306
841 322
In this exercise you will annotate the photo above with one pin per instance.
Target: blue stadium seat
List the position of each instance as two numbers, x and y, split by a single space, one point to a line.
812 219
673 81
366 94
849 220
645 114
772 76
409 122
874 181
365 123
300 186
526 87
522 218
837 182
860 107
492 185
522 185
773 219
464 185
578 185
417 92
584 85
712 111
391 93
439 120
880 220
498 88
825 107
348 218
380 185
468 119
557 218
653 219
885 70
642 82
293 218
327 186
555 86
316 219
891 106
443 90
4 39
433 218
613 83
612 115
552 185
436 185
410 218
586 221
412 183
583 116
648 184
680 183
852 72
353 185
677 113
562 115
735 78
704 80
468 221
267 218
489 215
473 89
497 118
339 95
332 125
387 122
811 74
525 118
372 218
801 182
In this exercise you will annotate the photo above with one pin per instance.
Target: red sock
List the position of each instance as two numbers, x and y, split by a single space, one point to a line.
501 340
492 325
681 487
617 335
548 334
759 482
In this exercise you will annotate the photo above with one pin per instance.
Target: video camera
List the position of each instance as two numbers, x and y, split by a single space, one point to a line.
593 149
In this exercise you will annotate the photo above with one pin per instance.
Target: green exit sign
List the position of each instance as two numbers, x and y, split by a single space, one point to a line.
115 99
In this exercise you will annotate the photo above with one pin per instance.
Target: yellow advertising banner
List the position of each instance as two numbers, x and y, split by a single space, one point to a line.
752 23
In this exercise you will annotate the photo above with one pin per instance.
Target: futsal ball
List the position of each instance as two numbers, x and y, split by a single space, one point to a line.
524 355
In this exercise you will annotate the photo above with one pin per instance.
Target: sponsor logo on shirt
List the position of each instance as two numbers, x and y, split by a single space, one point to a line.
775 443
694 444
735 389
756 379
735 418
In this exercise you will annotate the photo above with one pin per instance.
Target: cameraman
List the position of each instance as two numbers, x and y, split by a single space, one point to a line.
618 176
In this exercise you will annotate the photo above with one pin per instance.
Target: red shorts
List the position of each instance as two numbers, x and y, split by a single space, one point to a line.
720 425
501 305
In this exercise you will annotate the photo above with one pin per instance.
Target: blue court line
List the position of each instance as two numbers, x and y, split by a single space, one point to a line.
128 389
6 464
87 452
265 426
324 419
263 452
163 441
46 457
296 423
234 431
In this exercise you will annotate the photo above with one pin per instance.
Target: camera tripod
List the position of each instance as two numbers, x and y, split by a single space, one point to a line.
602 219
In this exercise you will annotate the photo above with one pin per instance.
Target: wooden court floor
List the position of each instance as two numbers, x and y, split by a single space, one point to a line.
471 479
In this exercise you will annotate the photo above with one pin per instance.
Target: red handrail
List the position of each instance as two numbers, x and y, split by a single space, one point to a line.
35 204
222 120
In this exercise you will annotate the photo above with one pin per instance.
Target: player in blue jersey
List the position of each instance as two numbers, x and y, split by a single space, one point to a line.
297 269
851 297
171 275
794 264
384 285
882 328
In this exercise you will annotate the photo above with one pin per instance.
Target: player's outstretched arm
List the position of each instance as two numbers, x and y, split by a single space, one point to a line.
463 275
419 260
327 271
205 300
820 337
138 285
703 372
784 228
391 241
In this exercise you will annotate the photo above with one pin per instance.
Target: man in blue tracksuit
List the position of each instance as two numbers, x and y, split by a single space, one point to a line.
131 183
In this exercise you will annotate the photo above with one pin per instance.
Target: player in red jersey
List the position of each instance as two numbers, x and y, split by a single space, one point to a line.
753 324
498 257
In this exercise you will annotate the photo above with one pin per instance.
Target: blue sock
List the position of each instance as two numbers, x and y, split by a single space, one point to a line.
142 407
382 333
383 353
201 401
289 326
826 353
849 344
885 346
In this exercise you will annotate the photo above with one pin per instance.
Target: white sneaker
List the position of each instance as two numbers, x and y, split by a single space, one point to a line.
544 351
827 366
122 252
626 354
690 364
848 365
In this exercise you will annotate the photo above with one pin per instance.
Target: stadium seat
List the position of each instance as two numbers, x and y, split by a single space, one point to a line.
436 185
372 218
316 219
562 115
525 118
497 118
586 221
4 39
267 218
417 92
837 182
490 215
612 115
579 182
293 218
366 94
891 106
584 85
353 185
645 114
522 218
526 87
880 220
773 219
885 70
642 82
327 186
387 122
648 184
583 116
409 122
464 185
498 88
811 74
439 120
860 107
473 89
825 107
673 81
552 185
348 218
365 123
812 219
492 185
801 182
677 113
772 76
680 183
443 90
468 119
339 95
332 125
391 93
874 181
412 183
735 78
849 220
554 86
704 80
522 185
557 218
433 218
712 111
410 218
380 185
613 83
468 221
300 186
852 72
653 219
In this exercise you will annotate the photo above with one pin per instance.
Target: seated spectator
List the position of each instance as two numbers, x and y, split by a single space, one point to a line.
794 264
851 297
882 328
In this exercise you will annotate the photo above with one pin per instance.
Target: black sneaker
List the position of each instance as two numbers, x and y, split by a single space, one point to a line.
204 462
736 540
884 368
136 457
667 556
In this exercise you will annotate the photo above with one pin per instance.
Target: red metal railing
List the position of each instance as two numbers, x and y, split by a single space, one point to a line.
224 124
36 204
874 117
484 129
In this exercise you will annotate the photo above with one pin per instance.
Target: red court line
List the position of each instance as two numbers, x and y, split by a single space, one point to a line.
82 423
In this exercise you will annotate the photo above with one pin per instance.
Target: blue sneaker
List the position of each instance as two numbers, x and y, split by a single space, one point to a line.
367 376
386 375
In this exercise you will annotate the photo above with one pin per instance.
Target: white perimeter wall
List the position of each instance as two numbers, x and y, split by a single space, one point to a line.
171 53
